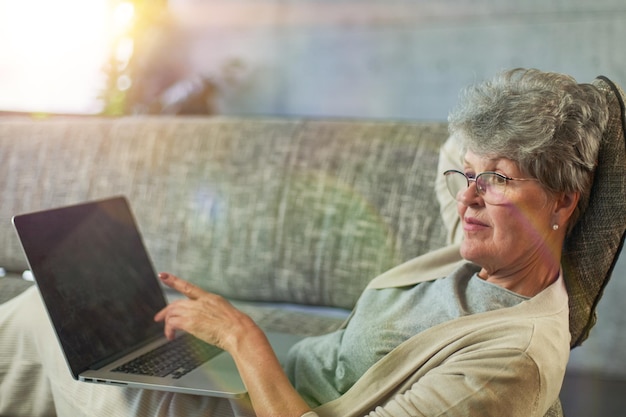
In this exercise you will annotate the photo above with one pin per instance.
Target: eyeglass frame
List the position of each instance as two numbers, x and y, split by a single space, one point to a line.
480 191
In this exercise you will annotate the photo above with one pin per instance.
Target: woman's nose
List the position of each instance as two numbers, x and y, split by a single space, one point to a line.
470 195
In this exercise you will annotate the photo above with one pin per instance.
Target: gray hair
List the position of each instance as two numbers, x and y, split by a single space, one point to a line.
547 123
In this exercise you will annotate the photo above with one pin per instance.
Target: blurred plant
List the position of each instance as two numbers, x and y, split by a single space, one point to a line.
131 21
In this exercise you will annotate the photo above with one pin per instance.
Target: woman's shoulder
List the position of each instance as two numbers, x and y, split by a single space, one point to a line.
427 267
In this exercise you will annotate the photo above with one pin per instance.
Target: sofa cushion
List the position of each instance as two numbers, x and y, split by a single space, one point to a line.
302 211
592 249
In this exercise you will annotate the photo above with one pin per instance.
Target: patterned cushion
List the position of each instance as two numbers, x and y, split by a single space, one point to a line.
592 249
556 410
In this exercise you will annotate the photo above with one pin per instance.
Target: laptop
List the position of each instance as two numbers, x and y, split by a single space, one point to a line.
101 293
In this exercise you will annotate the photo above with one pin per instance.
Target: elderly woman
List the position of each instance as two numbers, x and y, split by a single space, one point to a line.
479 328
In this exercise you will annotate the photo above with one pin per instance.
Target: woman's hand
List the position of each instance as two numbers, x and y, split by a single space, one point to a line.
207 316
214 320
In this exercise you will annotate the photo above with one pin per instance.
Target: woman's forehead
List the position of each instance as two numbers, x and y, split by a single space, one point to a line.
481 163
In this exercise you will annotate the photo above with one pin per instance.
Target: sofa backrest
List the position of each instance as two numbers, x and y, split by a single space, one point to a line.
304 211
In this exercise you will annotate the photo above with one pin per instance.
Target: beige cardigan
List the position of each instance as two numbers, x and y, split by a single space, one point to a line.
509 362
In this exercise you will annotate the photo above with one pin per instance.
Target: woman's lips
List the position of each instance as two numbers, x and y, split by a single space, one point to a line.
473 224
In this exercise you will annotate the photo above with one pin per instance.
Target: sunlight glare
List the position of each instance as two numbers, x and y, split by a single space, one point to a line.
123 15
52 55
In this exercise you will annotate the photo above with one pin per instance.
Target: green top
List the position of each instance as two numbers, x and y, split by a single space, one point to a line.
323 368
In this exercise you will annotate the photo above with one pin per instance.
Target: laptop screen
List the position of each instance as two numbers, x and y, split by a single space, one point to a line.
95 277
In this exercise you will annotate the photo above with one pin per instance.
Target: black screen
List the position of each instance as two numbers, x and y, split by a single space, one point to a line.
95 278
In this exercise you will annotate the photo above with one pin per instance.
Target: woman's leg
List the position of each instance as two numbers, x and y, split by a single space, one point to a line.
24 386
35 380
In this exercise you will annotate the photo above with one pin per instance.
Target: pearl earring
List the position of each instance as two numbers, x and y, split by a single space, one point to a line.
555 227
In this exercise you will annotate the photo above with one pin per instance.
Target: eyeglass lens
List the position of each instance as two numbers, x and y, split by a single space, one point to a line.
488 185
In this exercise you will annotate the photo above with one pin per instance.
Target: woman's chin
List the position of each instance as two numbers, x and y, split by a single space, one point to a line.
471 250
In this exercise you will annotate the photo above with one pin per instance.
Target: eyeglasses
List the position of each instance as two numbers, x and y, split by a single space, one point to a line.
491 186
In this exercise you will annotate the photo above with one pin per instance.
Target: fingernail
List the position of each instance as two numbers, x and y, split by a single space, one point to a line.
164 276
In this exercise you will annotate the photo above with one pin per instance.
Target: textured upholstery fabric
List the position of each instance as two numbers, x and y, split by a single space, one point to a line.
302 211
592 248
556 410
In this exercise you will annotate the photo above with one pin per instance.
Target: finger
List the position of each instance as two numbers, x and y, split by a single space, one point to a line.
170 328
163 313
173 318
160 316
186 288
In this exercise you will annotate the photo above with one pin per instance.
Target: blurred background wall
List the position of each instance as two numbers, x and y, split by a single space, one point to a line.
384 59
389 58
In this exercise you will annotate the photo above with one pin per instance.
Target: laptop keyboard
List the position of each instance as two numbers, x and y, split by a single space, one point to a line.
176 358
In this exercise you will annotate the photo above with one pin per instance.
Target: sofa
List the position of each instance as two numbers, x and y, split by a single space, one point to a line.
275 214
288 218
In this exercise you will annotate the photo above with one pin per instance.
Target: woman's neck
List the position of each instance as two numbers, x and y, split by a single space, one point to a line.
527 282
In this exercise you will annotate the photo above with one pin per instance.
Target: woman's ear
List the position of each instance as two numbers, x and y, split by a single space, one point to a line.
565 204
